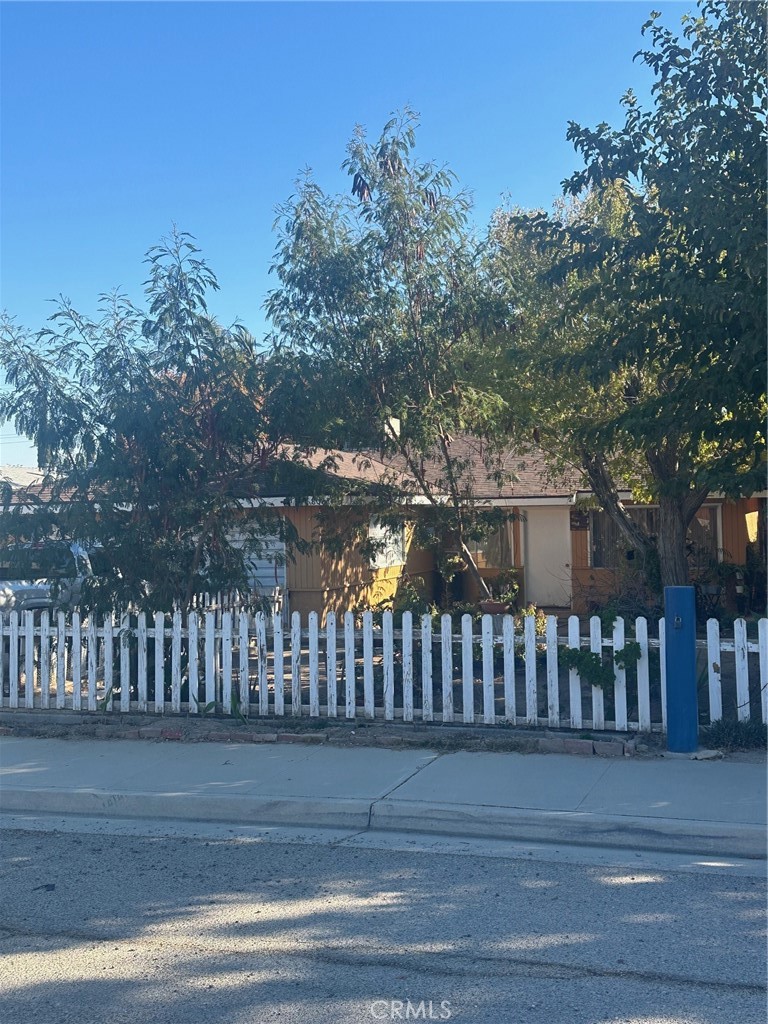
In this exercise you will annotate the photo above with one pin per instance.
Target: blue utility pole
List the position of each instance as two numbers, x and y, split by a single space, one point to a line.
682 699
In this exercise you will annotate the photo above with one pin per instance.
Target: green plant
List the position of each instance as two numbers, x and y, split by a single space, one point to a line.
593 668
106 701
629 655
730 734
204 709
464 608
537 614
409 598
506 586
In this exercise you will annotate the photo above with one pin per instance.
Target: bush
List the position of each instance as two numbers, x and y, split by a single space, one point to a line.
730 734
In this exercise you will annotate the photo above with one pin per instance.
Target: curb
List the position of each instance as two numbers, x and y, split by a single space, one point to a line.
392 815
580 828
333 812
354 732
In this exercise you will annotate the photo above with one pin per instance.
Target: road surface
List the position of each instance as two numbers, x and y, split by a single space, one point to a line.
168 923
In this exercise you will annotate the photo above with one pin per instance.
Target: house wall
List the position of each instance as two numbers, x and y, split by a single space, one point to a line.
735 539
594 587
322 581
470 592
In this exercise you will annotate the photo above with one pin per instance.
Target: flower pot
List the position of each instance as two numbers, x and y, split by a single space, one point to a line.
493 607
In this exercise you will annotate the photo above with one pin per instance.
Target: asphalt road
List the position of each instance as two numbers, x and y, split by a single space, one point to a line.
147 923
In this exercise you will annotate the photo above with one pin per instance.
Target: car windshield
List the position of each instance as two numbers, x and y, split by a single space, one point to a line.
50 561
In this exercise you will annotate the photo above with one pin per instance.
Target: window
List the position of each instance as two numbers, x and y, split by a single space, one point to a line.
49 560
496 548
390 544
610 546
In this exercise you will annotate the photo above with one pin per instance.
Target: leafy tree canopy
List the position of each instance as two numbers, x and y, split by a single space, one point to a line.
151 427
657 309
386 293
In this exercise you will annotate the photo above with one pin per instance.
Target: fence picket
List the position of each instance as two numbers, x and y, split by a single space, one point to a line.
314 666
331 666
296 664
278 650
388 654
407 642
349 664
193 672
61 661
108 633
226 663
742 669
446 646
762 638
619 678
467 670
574 682
45 659
176 662
87 644
13 660
262 667
489 699
77 663
553 682
29 659
714 670
510 701
531 696
426 668
210 658
93 651
643 677
243 663
159 631
598 697
123 641
368 707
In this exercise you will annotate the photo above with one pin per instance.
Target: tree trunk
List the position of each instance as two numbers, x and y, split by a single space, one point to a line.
605 491
672 543
474 572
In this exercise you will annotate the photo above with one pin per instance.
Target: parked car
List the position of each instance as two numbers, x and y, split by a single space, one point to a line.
43 575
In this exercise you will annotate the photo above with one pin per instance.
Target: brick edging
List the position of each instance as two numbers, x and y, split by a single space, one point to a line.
94 726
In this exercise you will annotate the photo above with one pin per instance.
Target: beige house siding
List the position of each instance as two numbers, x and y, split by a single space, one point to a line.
321 581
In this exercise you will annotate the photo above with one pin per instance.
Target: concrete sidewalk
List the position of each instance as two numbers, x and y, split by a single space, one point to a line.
705 807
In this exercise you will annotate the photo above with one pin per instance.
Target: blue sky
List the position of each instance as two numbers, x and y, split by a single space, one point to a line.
119 119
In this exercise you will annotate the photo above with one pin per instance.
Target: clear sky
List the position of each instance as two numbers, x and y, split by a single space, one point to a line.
119 119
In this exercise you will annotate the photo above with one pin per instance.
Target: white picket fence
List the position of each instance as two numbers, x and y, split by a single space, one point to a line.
243 664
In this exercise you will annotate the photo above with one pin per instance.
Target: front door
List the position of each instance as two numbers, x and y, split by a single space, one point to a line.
547 555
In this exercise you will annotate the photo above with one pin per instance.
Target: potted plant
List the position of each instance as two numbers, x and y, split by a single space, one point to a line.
504 593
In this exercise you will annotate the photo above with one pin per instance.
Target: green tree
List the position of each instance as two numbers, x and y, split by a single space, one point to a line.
385 293
151 427
658 283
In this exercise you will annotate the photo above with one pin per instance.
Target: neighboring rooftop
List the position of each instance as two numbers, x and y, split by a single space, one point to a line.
20 476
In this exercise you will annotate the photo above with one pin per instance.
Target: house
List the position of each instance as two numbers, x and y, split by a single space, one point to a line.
570 557
567 554
323 578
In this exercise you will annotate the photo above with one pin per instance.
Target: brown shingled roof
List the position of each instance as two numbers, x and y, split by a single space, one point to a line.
522 473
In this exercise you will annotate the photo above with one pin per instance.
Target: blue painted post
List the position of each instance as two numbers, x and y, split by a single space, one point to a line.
682 703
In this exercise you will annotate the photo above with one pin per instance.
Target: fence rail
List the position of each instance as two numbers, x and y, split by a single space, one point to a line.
244 663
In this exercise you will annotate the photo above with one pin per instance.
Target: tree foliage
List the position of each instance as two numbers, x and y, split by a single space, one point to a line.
151 426
386 293
658 308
